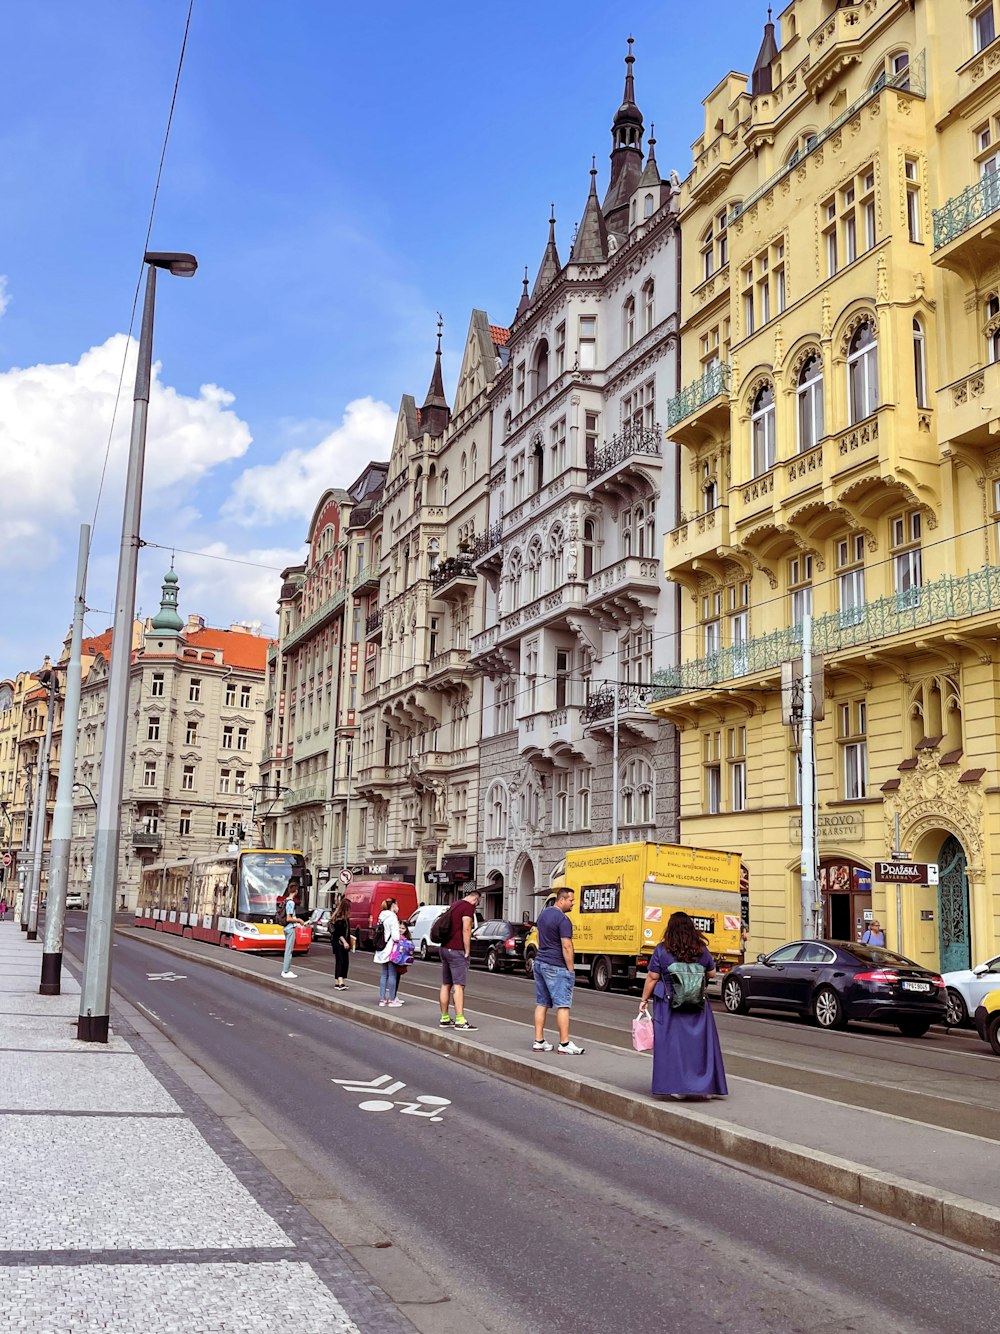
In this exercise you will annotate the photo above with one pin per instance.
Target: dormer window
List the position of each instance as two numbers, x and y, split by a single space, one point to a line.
647 207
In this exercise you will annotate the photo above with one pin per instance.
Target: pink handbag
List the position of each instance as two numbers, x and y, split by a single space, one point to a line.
642 1032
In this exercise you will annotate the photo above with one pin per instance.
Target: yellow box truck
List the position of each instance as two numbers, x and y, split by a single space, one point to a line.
625 894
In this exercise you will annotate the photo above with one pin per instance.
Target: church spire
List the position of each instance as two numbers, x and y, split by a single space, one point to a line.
626 153
651 172
550 266
762 78
591 244
525 302
435 413
167 620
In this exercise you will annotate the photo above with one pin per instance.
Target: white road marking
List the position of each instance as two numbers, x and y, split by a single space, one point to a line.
427 1105
166 977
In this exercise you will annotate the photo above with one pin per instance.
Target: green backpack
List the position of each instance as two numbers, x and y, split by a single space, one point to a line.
687 986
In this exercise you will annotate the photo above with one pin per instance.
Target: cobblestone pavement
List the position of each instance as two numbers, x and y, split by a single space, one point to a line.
129 1207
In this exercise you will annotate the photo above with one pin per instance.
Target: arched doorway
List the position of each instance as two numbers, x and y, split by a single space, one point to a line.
526 890
953 906
492 905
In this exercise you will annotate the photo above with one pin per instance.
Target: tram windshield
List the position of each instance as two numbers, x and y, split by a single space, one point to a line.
265 875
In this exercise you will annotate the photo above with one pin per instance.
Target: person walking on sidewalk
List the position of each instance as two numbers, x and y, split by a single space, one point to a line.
389 934
874 935
554 974
455 951
687 1058
288 916
341 941
3 908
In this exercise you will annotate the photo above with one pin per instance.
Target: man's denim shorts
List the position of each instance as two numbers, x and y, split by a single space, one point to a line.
454 968
553 986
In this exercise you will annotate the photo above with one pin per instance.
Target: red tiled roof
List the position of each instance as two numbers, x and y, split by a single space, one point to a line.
499 335
238 649
97 644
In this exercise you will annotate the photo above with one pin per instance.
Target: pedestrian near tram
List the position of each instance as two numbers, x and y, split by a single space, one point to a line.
288 916
389 933
687 1058
455 950
342 942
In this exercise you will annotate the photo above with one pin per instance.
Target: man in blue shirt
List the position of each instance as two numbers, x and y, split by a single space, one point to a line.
554 976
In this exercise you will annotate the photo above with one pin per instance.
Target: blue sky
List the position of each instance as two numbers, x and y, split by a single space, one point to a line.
342 172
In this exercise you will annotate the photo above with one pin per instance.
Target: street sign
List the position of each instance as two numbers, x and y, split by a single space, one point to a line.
7 859
906 873
346 876
437 877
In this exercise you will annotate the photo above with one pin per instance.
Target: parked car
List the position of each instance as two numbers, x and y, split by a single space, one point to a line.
420 924
834 981
988 1020
499 945
966 987
74 899
320 923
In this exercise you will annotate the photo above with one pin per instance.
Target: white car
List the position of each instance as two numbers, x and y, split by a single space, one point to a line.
420 927
966 989
74 899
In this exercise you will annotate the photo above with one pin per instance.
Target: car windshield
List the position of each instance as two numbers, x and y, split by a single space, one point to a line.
875 954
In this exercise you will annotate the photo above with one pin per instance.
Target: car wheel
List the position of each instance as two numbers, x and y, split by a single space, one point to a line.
600 974
957 1015
828 1009
422 952
491 960
913 1028
733 996
529 962
993 1033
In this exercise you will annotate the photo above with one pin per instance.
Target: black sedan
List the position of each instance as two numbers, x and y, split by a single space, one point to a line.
499 944
833 981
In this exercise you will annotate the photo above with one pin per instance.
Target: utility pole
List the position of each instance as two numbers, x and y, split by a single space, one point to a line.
29 805
49 679
347 810
614 749
808 868
62 819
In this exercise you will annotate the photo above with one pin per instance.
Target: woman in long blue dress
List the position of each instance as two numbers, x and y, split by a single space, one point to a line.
687 1058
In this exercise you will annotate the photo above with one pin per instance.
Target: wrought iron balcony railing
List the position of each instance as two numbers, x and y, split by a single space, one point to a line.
487 541
632 440
710 385
633 697
316 619
374 621
455 567
963 211
951 598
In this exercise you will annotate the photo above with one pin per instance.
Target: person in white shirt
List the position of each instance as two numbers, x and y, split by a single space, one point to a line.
387 982
289 919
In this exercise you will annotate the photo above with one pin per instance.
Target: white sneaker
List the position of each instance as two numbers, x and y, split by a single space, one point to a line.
541 1046
289 974
570 1049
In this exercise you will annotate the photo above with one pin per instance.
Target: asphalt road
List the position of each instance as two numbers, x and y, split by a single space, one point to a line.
539 1216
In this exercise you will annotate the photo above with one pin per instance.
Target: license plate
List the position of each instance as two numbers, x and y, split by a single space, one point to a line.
916 986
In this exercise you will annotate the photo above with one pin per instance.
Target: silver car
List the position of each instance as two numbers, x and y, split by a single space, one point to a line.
966 988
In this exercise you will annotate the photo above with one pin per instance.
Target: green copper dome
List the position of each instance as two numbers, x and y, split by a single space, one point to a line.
167 620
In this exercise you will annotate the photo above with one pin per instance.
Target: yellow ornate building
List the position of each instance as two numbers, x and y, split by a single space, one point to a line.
841 263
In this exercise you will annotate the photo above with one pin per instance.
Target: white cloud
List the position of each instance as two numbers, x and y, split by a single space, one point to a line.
4 294
291 487
223 591
54 423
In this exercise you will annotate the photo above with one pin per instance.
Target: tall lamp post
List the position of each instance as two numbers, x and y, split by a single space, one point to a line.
48 678
95 996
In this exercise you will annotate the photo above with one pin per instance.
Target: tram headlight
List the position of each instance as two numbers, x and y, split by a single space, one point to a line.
246 929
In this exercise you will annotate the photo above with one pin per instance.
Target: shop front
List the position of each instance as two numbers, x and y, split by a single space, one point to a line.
846 887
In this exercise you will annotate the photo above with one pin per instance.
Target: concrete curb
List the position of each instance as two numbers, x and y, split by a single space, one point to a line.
954 1217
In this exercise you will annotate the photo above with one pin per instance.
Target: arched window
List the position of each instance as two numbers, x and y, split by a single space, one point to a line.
628 320
557 548
506 422
433 554
540 367
636 796
538 464
534 568
474 462
993 327
444 487
648 305
862 373
707 254
919 363
647 207
515 577
465 470
809 392
762 430
589 547
632 214
496 811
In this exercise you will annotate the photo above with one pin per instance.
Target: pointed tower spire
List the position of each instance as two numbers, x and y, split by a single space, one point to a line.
525 302
651 173
167 620
762 78
435 414
591 245
626 154
550 266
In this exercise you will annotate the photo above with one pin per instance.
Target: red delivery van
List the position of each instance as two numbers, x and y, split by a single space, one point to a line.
366 898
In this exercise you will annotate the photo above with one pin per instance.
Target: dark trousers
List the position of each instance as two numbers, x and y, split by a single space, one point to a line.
341 958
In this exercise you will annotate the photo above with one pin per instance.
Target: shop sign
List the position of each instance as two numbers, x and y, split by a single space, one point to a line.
906 873
832 827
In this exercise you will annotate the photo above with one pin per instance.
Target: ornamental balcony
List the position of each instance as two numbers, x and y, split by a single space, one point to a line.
625 708
622 465
544 610
453 578
366 580
145 842
553 732
448 669
967 229
702 408
625 590
870 628
303 796
486 553
968 411
373 624
317 620
700 536
486 655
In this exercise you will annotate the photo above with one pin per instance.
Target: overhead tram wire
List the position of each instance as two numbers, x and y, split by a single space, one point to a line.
138 281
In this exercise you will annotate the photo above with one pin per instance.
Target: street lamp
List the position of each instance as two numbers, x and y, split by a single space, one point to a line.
82 787
95 996
49 680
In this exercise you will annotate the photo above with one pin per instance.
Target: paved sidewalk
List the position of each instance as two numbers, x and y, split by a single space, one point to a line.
129 1206
945 1181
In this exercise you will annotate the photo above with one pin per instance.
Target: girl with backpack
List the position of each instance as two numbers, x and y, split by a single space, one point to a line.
387 932
687 1058
341 941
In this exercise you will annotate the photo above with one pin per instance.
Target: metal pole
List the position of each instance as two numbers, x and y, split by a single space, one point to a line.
62 819
899 893
41 801
614 755
808 815
347 809
95 997
29 826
